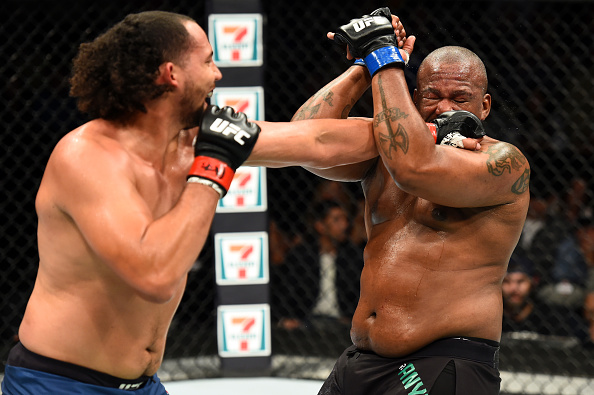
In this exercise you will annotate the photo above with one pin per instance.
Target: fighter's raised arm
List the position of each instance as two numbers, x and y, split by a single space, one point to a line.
496 174
337 98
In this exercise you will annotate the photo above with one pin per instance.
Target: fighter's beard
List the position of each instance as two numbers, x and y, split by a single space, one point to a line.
193 119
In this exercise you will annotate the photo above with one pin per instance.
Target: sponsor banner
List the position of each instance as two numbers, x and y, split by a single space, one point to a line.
236 39
247 192
243 330
249 100
241 258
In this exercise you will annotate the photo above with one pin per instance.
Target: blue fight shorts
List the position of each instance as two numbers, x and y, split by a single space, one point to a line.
27 373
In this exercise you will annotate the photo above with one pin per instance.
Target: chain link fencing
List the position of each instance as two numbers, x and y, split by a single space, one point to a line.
539 58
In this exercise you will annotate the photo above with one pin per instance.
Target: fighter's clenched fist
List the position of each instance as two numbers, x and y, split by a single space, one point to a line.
225 140
372 38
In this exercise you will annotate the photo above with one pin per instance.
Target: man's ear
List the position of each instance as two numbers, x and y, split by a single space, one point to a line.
167 75
486 106
415 94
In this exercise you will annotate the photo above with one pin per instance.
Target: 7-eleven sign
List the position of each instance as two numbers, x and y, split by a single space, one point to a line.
249 100
243 330
236 39
247 192
241 258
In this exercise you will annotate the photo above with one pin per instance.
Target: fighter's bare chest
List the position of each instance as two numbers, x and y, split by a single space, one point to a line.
398 206
386 202
161 189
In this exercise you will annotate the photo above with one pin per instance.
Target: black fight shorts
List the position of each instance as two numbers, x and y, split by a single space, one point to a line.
452 366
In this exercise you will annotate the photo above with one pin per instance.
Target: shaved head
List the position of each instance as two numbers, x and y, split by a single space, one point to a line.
465 59
451 79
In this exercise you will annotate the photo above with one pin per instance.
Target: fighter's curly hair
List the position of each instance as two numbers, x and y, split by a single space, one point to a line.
114 75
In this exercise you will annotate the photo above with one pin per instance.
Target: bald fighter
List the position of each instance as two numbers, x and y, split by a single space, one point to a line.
441 222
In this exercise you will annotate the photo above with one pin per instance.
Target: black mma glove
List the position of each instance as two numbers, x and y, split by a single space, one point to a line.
224 142
451 127
372 38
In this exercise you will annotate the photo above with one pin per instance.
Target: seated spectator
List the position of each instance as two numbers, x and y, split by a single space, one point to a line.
523 313
570 269
319 280
542 231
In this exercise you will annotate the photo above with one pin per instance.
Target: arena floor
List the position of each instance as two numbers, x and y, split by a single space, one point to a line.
244 386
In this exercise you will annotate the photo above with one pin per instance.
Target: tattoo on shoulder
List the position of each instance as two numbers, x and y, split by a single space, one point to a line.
394 139
521 185
504 157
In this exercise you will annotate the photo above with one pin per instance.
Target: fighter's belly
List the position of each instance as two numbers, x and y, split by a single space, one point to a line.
403 308
125 339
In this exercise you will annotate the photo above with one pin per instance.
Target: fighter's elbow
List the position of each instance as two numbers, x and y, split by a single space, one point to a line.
155 286
158 292
407 176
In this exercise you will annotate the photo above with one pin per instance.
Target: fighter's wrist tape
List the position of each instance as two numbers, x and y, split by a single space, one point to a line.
382 57
209 183
433 128
214 170
453 139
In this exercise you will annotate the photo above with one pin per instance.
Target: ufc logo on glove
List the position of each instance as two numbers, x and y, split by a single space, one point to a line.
226 128
363 23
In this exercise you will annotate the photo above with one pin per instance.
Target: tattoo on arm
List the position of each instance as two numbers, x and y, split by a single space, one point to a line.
392 140
521 185
347 109
310 109
307 108
328 98
505 157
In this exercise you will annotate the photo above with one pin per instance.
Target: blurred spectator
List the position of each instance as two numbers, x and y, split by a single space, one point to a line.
353 203
318 282
570 271
522 312
576 200
586 239
333 190
542 232
358 233
279 243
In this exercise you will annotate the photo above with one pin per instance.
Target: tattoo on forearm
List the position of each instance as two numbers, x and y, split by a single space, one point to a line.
328 98
389 114
392 140
504 157
307 108
310 109
347 109
521 185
